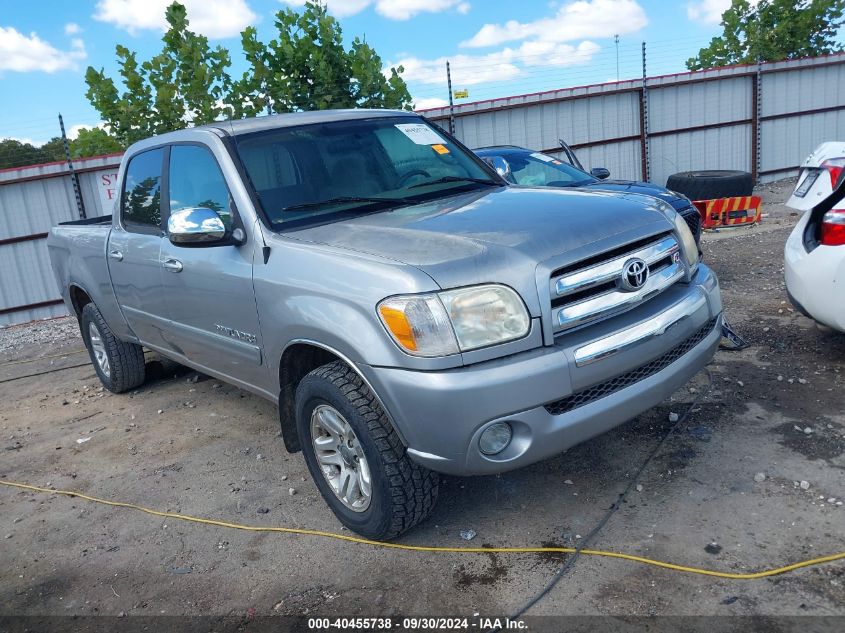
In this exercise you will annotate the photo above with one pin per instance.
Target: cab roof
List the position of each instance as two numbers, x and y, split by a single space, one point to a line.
275 121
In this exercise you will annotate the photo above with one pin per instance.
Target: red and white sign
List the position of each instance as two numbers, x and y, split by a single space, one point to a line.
107 186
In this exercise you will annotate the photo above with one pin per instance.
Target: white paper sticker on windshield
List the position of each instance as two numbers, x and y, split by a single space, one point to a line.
420 134
543 157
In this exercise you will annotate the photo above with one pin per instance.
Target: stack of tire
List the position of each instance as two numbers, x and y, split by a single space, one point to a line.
711 184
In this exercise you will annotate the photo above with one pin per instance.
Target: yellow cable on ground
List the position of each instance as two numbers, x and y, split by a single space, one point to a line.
427 548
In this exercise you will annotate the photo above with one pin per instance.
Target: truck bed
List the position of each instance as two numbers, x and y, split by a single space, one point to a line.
78 254
102 219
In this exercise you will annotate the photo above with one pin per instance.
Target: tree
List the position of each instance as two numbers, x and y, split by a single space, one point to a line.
188 83
94 142
185 83
90 142
308 68
773 30
13 153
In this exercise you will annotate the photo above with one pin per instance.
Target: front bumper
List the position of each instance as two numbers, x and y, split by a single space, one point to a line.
551 400
815 281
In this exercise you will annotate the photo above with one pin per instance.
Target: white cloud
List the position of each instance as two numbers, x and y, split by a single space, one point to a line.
213 18
710 11
429 102
25 141
573 21
72 28
468 70
73 130
22 53
707 11
391 9
405 9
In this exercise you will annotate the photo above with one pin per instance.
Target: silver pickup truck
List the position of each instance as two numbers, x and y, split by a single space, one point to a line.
409 311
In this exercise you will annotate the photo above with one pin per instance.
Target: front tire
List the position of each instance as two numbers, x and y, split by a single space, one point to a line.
119 365
356 458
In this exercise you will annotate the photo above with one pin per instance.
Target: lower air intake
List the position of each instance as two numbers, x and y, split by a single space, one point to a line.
590 394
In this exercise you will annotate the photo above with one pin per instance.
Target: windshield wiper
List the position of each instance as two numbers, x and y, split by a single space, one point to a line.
481 181
342 199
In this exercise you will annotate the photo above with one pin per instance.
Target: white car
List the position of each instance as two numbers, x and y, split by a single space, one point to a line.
815 251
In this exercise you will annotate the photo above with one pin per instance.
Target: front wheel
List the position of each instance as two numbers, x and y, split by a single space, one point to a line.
119 365
356 458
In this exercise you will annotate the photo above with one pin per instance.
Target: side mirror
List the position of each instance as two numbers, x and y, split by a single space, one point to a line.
600 172
195 226
501 166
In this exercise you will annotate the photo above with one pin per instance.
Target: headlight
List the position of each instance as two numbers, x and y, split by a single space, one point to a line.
687 240
453 321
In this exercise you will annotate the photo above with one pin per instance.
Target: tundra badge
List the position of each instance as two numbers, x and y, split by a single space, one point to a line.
228 331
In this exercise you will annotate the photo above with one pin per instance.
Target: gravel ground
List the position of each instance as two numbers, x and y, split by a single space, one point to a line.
60 331
752 480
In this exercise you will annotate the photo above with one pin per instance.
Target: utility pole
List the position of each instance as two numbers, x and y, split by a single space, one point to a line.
74 178
451 104
646 167
616 41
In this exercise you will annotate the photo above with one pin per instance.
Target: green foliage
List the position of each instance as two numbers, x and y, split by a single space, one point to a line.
90 142
773 30
94 142
306 67
184 83
15 154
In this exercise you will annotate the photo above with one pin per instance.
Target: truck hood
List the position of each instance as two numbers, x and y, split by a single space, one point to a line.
497 235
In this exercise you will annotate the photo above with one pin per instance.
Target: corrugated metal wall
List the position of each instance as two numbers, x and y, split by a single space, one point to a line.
33 199
704 120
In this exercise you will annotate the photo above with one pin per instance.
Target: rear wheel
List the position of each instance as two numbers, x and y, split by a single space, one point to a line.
711 184
356 458
119 365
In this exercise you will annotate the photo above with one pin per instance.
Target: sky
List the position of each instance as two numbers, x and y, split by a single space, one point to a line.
496 48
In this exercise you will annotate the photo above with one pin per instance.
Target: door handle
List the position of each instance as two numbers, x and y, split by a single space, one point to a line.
173 265
116 255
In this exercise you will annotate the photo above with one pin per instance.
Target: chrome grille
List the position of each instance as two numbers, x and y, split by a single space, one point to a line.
596 290
591 394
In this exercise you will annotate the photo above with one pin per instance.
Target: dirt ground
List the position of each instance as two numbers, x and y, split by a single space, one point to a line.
207 449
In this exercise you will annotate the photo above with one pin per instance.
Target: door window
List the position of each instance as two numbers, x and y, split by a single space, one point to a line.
196 181
142 193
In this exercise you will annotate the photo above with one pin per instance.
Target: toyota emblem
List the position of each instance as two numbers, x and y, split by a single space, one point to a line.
634 274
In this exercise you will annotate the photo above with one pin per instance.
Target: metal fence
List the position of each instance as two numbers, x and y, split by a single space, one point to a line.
33 199
763 119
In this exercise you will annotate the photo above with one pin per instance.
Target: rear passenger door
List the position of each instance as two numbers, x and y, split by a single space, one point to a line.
134 245
208 288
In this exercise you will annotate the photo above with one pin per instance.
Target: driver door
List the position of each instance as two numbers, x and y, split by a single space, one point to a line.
208 287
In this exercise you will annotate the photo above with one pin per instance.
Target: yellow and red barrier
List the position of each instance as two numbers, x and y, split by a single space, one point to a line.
741 210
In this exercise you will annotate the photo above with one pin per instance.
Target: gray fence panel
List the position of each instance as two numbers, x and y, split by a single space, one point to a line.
807 88
789 141
32 200
34 206
540 126
687 105
715 148
27 279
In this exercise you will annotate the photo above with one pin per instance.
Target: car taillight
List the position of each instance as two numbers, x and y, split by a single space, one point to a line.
834 167
833 228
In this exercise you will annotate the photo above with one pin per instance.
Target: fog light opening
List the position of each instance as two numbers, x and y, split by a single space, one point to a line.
495 438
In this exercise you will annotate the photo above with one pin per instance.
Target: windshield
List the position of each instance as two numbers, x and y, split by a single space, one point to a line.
355 166
538 169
